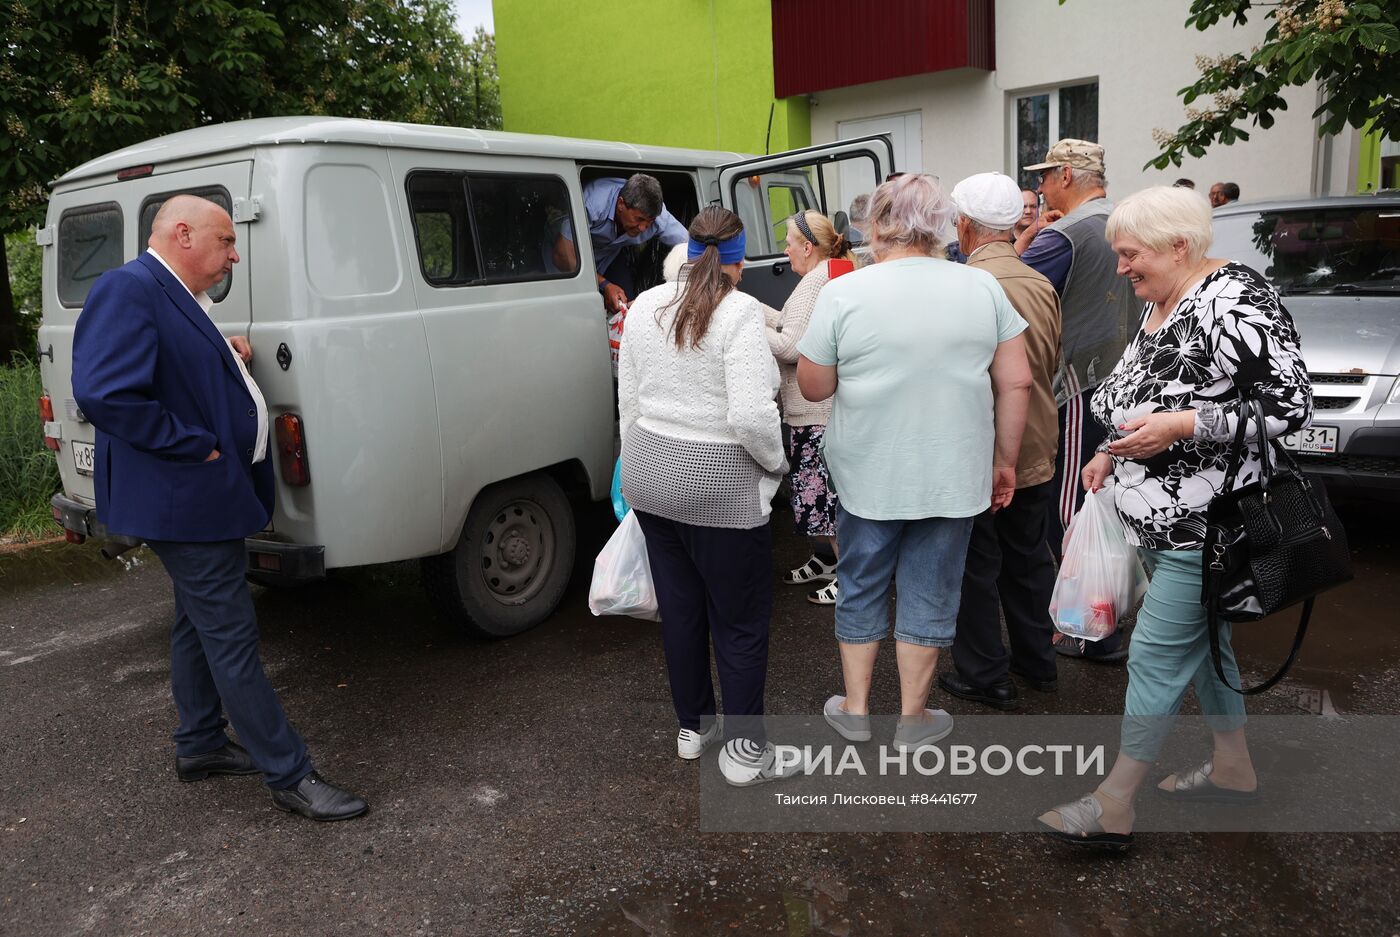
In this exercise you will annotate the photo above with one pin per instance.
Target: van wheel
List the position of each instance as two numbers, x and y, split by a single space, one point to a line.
512 563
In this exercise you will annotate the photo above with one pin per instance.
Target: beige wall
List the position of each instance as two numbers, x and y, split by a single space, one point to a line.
1142 54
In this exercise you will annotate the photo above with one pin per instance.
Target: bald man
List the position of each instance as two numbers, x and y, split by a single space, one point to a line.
182 463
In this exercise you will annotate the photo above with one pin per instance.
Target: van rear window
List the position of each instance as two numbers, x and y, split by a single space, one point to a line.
481 228
214 193
89 244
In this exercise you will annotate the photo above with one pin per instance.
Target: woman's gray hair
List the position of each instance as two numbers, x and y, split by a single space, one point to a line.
642 193
909 211
1159 216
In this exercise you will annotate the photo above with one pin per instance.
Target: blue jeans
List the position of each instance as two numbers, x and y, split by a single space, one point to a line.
1169 651
926 555
214 663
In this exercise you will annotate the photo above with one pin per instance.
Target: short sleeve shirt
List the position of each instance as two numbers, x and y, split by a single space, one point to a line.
911 431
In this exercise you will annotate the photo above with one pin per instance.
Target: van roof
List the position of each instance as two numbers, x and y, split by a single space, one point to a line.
271 131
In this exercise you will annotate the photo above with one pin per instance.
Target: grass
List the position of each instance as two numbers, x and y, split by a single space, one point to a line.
28 471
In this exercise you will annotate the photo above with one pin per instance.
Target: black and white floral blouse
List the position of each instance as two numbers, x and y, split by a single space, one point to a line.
1229 332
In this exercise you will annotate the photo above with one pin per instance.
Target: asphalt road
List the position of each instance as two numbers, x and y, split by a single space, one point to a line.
530 786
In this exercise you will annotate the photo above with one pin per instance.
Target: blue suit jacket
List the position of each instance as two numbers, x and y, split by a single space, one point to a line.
159 382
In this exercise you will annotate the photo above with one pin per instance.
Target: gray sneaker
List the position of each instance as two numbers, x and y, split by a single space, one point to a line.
849 726
913 732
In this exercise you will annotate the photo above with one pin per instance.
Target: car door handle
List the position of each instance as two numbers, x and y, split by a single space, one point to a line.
779 269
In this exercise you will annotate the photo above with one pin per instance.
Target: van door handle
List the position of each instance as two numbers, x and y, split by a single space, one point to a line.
45 352
779 269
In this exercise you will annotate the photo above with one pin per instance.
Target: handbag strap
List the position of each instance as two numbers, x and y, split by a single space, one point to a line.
1249 403
1213 630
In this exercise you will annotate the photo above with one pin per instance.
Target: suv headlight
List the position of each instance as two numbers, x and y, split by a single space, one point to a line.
1394 396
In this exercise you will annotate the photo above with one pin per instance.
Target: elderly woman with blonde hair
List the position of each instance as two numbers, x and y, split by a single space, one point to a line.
817 254
1211 329
928 369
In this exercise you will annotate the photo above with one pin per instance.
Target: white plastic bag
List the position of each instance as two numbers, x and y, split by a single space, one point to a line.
1101 577
622 576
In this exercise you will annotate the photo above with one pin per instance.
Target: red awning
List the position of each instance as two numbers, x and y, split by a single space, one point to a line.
823 44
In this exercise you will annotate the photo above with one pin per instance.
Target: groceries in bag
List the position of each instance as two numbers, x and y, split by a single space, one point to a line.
1101 577
622 575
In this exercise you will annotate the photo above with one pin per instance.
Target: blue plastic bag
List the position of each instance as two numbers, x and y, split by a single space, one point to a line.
620 507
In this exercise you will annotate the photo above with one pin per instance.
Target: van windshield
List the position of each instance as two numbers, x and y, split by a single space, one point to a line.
1317 250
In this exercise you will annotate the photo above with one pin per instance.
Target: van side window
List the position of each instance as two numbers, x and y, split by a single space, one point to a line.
481 228
446 248
518 219
89 244
214 193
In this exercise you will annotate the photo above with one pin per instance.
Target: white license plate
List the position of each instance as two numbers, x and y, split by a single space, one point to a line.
1319 439
83 456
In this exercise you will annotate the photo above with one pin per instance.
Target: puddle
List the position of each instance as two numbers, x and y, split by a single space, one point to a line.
63 563
1354 634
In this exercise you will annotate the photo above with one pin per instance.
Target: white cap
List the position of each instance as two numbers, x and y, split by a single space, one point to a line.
989 198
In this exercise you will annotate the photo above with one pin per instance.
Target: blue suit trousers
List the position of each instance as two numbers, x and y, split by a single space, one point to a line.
214 663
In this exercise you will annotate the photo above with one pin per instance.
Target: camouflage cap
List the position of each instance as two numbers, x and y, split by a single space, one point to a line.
1077 154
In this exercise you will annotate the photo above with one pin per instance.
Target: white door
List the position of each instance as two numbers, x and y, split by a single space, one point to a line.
906 133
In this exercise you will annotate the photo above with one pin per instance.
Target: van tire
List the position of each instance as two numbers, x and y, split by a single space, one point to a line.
512 562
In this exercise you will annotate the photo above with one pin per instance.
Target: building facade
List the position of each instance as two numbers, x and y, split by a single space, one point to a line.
962 86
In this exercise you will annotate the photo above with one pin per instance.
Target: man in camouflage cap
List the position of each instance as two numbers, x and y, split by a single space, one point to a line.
1099 312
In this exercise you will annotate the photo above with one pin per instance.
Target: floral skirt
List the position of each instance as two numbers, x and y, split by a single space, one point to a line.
813 500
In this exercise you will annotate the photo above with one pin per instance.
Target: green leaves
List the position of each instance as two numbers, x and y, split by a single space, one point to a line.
84 77
1352 50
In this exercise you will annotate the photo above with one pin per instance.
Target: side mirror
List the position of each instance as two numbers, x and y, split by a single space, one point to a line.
841 221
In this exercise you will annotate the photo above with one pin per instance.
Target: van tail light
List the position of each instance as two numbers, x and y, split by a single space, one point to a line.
291 450
46 414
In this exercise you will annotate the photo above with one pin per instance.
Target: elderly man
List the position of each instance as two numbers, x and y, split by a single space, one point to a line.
1223 193
182 463
621 213
1009 567
1099 310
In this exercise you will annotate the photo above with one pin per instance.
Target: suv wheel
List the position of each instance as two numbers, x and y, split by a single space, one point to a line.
512 562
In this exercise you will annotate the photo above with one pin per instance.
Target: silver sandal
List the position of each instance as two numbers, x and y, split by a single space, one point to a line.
1196 786
1080 819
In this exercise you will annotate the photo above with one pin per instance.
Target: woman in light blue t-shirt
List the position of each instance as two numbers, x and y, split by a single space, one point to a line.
928 370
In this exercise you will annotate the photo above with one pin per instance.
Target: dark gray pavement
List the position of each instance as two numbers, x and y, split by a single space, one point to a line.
530 786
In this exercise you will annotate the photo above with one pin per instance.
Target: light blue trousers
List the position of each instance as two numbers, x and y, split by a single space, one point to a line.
1170 651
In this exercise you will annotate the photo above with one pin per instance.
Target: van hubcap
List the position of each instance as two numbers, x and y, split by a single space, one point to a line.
516 550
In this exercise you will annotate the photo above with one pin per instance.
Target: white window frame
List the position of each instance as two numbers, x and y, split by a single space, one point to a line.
1013 99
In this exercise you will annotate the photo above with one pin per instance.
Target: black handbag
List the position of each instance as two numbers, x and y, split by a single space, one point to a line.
1268 545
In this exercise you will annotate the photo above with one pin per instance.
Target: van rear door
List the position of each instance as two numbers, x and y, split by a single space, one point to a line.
767 190
93 228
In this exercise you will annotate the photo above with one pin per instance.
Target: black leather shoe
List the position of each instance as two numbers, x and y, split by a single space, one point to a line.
1001 695
1037 684
316 798
1108 651
232 758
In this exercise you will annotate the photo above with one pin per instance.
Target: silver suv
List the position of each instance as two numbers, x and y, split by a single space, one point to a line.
1336 263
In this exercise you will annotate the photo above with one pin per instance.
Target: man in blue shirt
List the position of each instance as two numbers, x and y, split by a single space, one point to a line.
621 213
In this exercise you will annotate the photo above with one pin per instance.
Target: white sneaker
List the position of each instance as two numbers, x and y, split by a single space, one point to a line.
912 733
744 764
690 744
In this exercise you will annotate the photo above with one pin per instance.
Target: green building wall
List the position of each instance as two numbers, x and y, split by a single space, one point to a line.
689 73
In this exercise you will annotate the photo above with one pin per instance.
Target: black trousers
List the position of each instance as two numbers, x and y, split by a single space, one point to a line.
714 584
1009 570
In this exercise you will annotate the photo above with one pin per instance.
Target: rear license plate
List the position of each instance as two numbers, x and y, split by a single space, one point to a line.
83 456
1316 439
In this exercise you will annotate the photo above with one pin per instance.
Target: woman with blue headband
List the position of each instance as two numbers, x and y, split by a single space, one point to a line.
702 454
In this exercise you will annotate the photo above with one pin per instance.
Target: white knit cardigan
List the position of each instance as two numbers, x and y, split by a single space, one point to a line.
724 391
785 329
